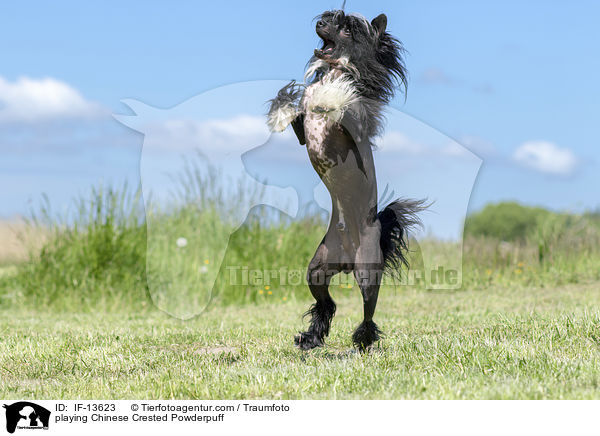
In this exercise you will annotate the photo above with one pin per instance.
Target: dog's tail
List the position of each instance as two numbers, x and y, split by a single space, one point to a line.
397 219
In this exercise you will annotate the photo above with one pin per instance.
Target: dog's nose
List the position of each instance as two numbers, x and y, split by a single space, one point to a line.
320 23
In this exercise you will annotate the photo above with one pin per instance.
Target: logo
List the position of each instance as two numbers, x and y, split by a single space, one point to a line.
211 161
26 415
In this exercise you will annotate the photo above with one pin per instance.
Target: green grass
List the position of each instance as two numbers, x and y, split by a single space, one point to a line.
79 318
111 250
108 254
502 342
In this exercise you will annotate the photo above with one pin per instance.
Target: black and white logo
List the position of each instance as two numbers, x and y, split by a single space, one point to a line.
26 415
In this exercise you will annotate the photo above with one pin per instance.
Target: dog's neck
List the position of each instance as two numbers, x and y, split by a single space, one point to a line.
333 73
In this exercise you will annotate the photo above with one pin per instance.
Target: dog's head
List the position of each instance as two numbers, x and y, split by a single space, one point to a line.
364 48
347 36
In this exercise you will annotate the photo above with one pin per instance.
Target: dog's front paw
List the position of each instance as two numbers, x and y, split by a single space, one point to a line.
307 341
281 117
284 107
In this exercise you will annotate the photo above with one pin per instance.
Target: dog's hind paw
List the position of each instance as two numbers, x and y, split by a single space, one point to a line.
365 335
307 341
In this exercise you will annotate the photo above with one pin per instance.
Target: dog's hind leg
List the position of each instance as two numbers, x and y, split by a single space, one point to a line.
368 272
369 280
322 311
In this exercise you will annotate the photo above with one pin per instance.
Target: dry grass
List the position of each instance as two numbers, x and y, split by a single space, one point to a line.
17 239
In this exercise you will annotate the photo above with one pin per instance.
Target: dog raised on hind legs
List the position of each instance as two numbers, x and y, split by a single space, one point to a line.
337 113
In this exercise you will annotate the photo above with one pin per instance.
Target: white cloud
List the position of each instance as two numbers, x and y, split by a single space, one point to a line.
398 142
395 141
239 133
546 157
31 100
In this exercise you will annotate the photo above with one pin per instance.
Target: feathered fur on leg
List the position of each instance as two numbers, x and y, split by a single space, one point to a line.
284 107
365 335
321 314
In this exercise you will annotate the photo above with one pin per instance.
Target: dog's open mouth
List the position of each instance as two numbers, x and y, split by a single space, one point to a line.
326 51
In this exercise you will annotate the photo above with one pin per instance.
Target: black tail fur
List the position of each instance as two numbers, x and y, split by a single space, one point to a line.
396 220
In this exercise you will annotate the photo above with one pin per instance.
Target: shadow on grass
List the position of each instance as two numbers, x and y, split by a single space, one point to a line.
338 354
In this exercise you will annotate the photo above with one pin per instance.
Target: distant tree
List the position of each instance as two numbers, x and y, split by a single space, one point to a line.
508 221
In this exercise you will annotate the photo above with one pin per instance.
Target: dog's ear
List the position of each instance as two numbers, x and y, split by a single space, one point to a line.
379 23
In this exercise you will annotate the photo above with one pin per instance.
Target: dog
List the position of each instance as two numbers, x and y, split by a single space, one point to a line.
337 113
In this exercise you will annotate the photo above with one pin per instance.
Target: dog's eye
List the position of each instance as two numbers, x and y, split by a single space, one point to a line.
346 32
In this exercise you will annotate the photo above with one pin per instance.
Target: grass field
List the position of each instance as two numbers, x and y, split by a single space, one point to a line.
527 343
78 314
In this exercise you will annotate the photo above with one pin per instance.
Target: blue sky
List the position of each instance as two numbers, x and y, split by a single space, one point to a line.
515 82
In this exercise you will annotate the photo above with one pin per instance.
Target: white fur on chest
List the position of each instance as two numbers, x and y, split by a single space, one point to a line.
324 104
330 96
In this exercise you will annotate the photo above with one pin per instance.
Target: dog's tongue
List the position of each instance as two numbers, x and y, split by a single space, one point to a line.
327 49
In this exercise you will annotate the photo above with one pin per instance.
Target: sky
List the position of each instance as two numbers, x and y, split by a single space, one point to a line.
513 83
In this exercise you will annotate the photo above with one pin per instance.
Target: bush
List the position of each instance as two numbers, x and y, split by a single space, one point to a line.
113 253
105 255
507 221
90 256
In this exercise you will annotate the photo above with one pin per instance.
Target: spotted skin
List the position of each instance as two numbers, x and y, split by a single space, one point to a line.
316 129
347 171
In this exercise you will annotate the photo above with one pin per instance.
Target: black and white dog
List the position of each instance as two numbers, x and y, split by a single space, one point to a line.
336 114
